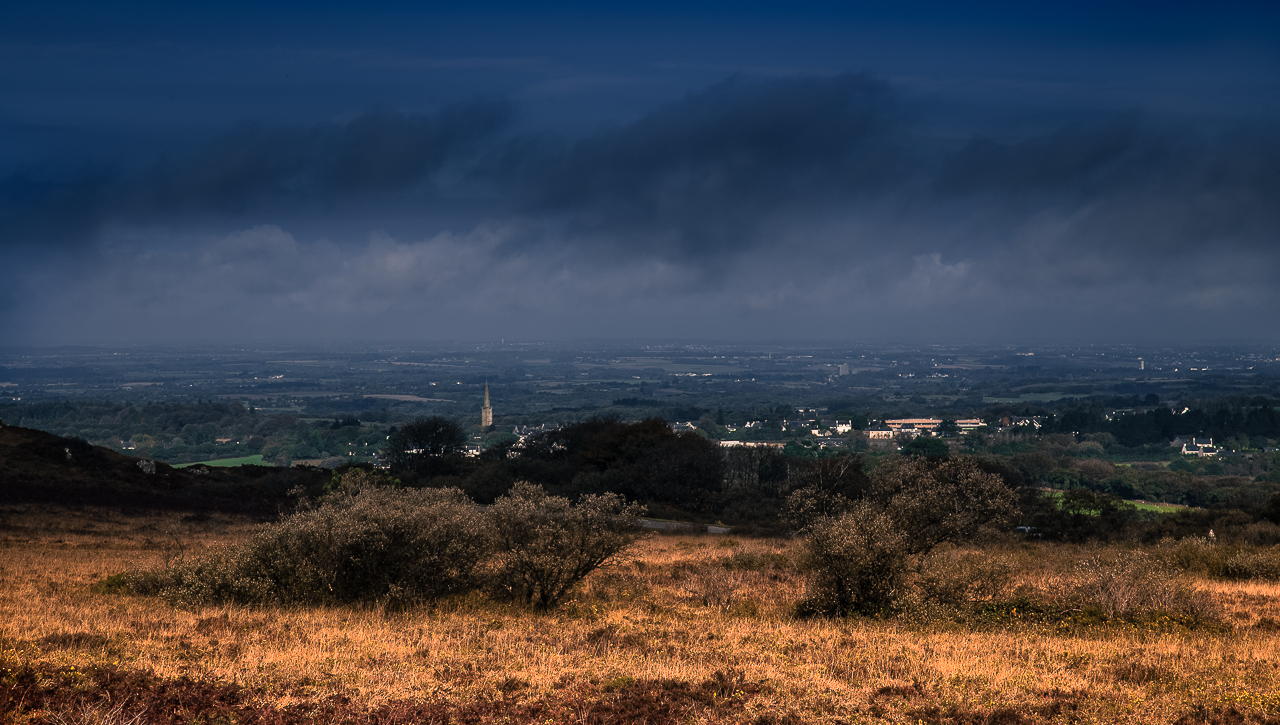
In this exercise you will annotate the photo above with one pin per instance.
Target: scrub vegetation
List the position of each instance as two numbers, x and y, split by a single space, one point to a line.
675 629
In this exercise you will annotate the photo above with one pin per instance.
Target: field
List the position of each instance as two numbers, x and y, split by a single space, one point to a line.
688 629
1162 508
255 460
1027 398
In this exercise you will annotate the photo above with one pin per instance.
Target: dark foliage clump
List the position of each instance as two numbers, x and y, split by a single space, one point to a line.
645 461
427 446
860 543
545 544
378 544
856 561
367 540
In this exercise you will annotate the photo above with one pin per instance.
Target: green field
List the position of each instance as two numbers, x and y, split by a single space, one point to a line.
225 462
1164 508
1030 398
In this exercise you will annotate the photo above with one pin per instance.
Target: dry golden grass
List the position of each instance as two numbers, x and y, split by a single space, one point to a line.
671 612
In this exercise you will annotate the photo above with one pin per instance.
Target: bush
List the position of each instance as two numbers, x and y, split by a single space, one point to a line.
937 501
1194 554
1133 586
545 545
857 562
1255 564
378 545
859 549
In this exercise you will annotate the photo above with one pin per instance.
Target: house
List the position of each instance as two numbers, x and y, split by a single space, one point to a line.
1022 421
880 435
524 431
1201 447
920 425
917 424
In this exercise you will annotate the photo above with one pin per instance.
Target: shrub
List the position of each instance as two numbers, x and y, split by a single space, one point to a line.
378 545
354 479
857 558
934 501
1134 585
1256 564
857 562
545 544
826 487
1261 533
1194 554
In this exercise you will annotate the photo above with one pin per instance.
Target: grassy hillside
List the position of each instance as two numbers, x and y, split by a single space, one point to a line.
38 467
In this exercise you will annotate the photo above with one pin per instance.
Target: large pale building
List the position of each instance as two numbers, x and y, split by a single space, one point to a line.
486 411
930 424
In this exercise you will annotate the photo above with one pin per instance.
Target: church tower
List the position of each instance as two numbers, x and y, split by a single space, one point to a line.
486 412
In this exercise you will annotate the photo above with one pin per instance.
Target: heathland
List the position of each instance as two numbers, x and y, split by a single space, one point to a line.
680 629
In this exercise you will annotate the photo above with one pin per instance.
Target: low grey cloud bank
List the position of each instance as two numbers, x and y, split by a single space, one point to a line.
806 206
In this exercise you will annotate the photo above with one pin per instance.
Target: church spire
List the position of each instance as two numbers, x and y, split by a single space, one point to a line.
486 412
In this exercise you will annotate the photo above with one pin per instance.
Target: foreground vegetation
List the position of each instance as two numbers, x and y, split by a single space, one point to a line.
684 629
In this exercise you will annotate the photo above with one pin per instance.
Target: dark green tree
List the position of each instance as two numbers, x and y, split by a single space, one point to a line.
925 446
948 428
424 446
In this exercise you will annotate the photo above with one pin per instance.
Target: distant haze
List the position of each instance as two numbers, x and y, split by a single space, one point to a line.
356 173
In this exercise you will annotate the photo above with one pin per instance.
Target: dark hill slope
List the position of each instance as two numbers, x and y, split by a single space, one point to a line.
38 467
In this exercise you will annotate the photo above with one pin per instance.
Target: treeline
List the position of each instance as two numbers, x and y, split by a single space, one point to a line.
685 475
100 420
677 475
1232 422
1049 468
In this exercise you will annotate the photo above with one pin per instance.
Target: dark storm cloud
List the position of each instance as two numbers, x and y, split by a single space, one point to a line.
713 173
1132 188
769 206
729 169
696 177
255 168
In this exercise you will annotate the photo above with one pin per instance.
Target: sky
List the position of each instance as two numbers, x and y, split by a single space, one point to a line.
913 172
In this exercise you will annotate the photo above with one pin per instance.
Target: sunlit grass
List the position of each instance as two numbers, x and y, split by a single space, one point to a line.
672 611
